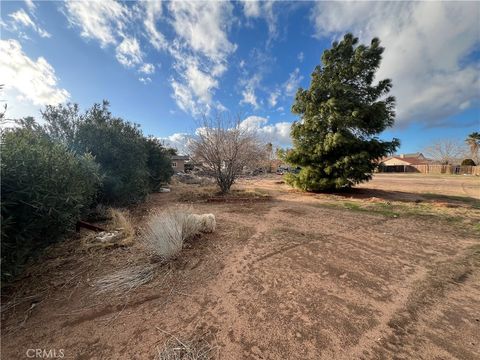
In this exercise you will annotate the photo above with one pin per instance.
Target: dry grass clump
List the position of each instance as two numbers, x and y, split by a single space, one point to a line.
119 231
166 232
176 349
121 221
126 280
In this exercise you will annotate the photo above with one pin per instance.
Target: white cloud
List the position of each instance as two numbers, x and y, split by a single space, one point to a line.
28 82
248 94
278 134
262 9
273 99
293 82
21 18
128 53
426 47
147 68
102 20
145 80
30 5
177 141
251 8
196 82
203 25
200 52
153 12
249 97
300 56
186 101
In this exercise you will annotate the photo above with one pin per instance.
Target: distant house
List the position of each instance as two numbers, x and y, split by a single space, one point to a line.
178 162
403 162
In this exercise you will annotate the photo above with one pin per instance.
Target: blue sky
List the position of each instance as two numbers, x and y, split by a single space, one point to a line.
163 64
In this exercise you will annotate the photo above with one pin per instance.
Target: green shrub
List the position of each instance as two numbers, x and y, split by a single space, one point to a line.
159 165
118 146
468 162
45 190
132 165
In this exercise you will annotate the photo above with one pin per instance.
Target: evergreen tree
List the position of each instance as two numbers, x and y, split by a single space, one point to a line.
335 142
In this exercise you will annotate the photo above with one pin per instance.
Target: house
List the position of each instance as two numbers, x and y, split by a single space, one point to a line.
178 162
403 162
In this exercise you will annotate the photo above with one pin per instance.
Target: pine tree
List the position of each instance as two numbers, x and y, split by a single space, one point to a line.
335 141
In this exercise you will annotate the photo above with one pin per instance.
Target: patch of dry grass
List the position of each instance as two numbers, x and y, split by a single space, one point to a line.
167 231
194 194
122 221
119 231
461 215
177 349
126 280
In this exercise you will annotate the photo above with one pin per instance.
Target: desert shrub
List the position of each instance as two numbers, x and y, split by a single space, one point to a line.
118 146
159 165
166 232
132 164
468 162
45 189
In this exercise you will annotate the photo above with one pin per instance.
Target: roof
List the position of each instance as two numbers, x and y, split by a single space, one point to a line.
412 155
179 157
408 160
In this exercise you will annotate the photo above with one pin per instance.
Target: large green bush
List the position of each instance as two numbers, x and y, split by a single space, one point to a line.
119 148
132 164
45 190
159 165
52 173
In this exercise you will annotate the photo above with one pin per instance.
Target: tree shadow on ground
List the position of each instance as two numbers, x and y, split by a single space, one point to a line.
365 193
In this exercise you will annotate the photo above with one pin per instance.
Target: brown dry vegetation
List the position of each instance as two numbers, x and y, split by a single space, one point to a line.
384 271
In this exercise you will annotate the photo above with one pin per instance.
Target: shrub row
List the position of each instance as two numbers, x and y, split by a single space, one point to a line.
53 174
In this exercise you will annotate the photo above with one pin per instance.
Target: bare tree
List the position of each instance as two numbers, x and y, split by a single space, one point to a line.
223 148
446 151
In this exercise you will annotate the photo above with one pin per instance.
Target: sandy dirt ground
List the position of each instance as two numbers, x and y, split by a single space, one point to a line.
286 277
460 185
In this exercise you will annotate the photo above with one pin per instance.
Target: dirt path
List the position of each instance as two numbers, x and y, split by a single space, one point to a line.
288 278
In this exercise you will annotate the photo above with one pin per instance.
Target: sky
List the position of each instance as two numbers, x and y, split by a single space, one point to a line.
166 64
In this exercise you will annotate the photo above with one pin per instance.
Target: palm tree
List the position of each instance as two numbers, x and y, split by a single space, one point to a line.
473 141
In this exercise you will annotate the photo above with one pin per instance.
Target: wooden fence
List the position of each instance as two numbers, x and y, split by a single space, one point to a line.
433 169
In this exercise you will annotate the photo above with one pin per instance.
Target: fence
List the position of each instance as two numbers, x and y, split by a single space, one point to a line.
433 169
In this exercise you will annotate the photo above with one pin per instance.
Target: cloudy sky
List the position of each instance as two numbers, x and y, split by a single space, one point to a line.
164 64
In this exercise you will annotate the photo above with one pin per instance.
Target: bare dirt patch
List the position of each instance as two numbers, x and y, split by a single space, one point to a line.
300 276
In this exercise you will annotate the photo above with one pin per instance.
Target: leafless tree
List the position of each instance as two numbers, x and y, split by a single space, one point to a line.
446 151
224 147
